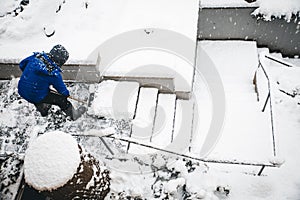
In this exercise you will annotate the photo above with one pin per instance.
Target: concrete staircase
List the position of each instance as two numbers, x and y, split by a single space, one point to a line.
160 119
165 121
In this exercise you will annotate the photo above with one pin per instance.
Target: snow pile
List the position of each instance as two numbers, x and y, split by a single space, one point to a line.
115 99
51 160
278 9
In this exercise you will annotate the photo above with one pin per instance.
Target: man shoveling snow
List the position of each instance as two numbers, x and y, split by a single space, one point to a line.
40 71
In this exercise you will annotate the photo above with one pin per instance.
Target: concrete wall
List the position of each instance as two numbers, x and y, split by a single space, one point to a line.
238 24
78 72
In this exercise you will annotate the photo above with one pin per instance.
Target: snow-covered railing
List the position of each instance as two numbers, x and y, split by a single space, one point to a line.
268 99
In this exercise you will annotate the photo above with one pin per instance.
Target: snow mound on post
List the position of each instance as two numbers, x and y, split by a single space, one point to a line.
51 160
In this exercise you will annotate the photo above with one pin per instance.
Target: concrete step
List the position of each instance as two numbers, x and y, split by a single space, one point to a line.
172 125
164 120
115 99
142 125
183 126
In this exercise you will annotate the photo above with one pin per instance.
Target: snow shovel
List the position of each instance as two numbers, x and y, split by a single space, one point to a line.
70 97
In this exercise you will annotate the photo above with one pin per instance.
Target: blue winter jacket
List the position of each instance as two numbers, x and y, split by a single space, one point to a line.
37 77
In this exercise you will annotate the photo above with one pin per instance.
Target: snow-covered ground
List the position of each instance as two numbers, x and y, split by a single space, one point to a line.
81 26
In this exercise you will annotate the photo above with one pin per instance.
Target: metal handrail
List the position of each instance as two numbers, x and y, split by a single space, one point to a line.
262 165
279 61
269 99
232 162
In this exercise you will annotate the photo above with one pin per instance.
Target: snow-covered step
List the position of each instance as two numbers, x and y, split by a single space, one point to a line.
142 124
164 120
115 99
183 126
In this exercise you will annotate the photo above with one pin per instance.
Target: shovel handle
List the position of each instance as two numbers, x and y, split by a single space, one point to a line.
79 100
70 97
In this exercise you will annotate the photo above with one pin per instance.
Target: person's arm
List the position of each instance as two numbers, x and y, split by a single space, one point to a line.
60 86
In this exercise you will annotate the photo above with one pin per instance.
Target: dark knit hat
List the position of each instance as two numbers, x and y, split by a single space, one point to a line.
59 55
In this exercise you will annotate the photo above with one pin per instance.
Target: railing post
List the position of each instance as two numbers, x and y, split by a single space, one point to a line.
261 170
266 102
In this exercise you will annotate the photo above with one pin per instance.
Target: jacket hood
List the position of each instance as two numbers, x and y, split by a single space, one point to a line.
46 65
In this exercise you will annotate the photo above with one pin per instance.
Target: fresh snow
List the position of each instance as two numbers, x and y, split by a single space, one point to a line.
94 22
51 160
